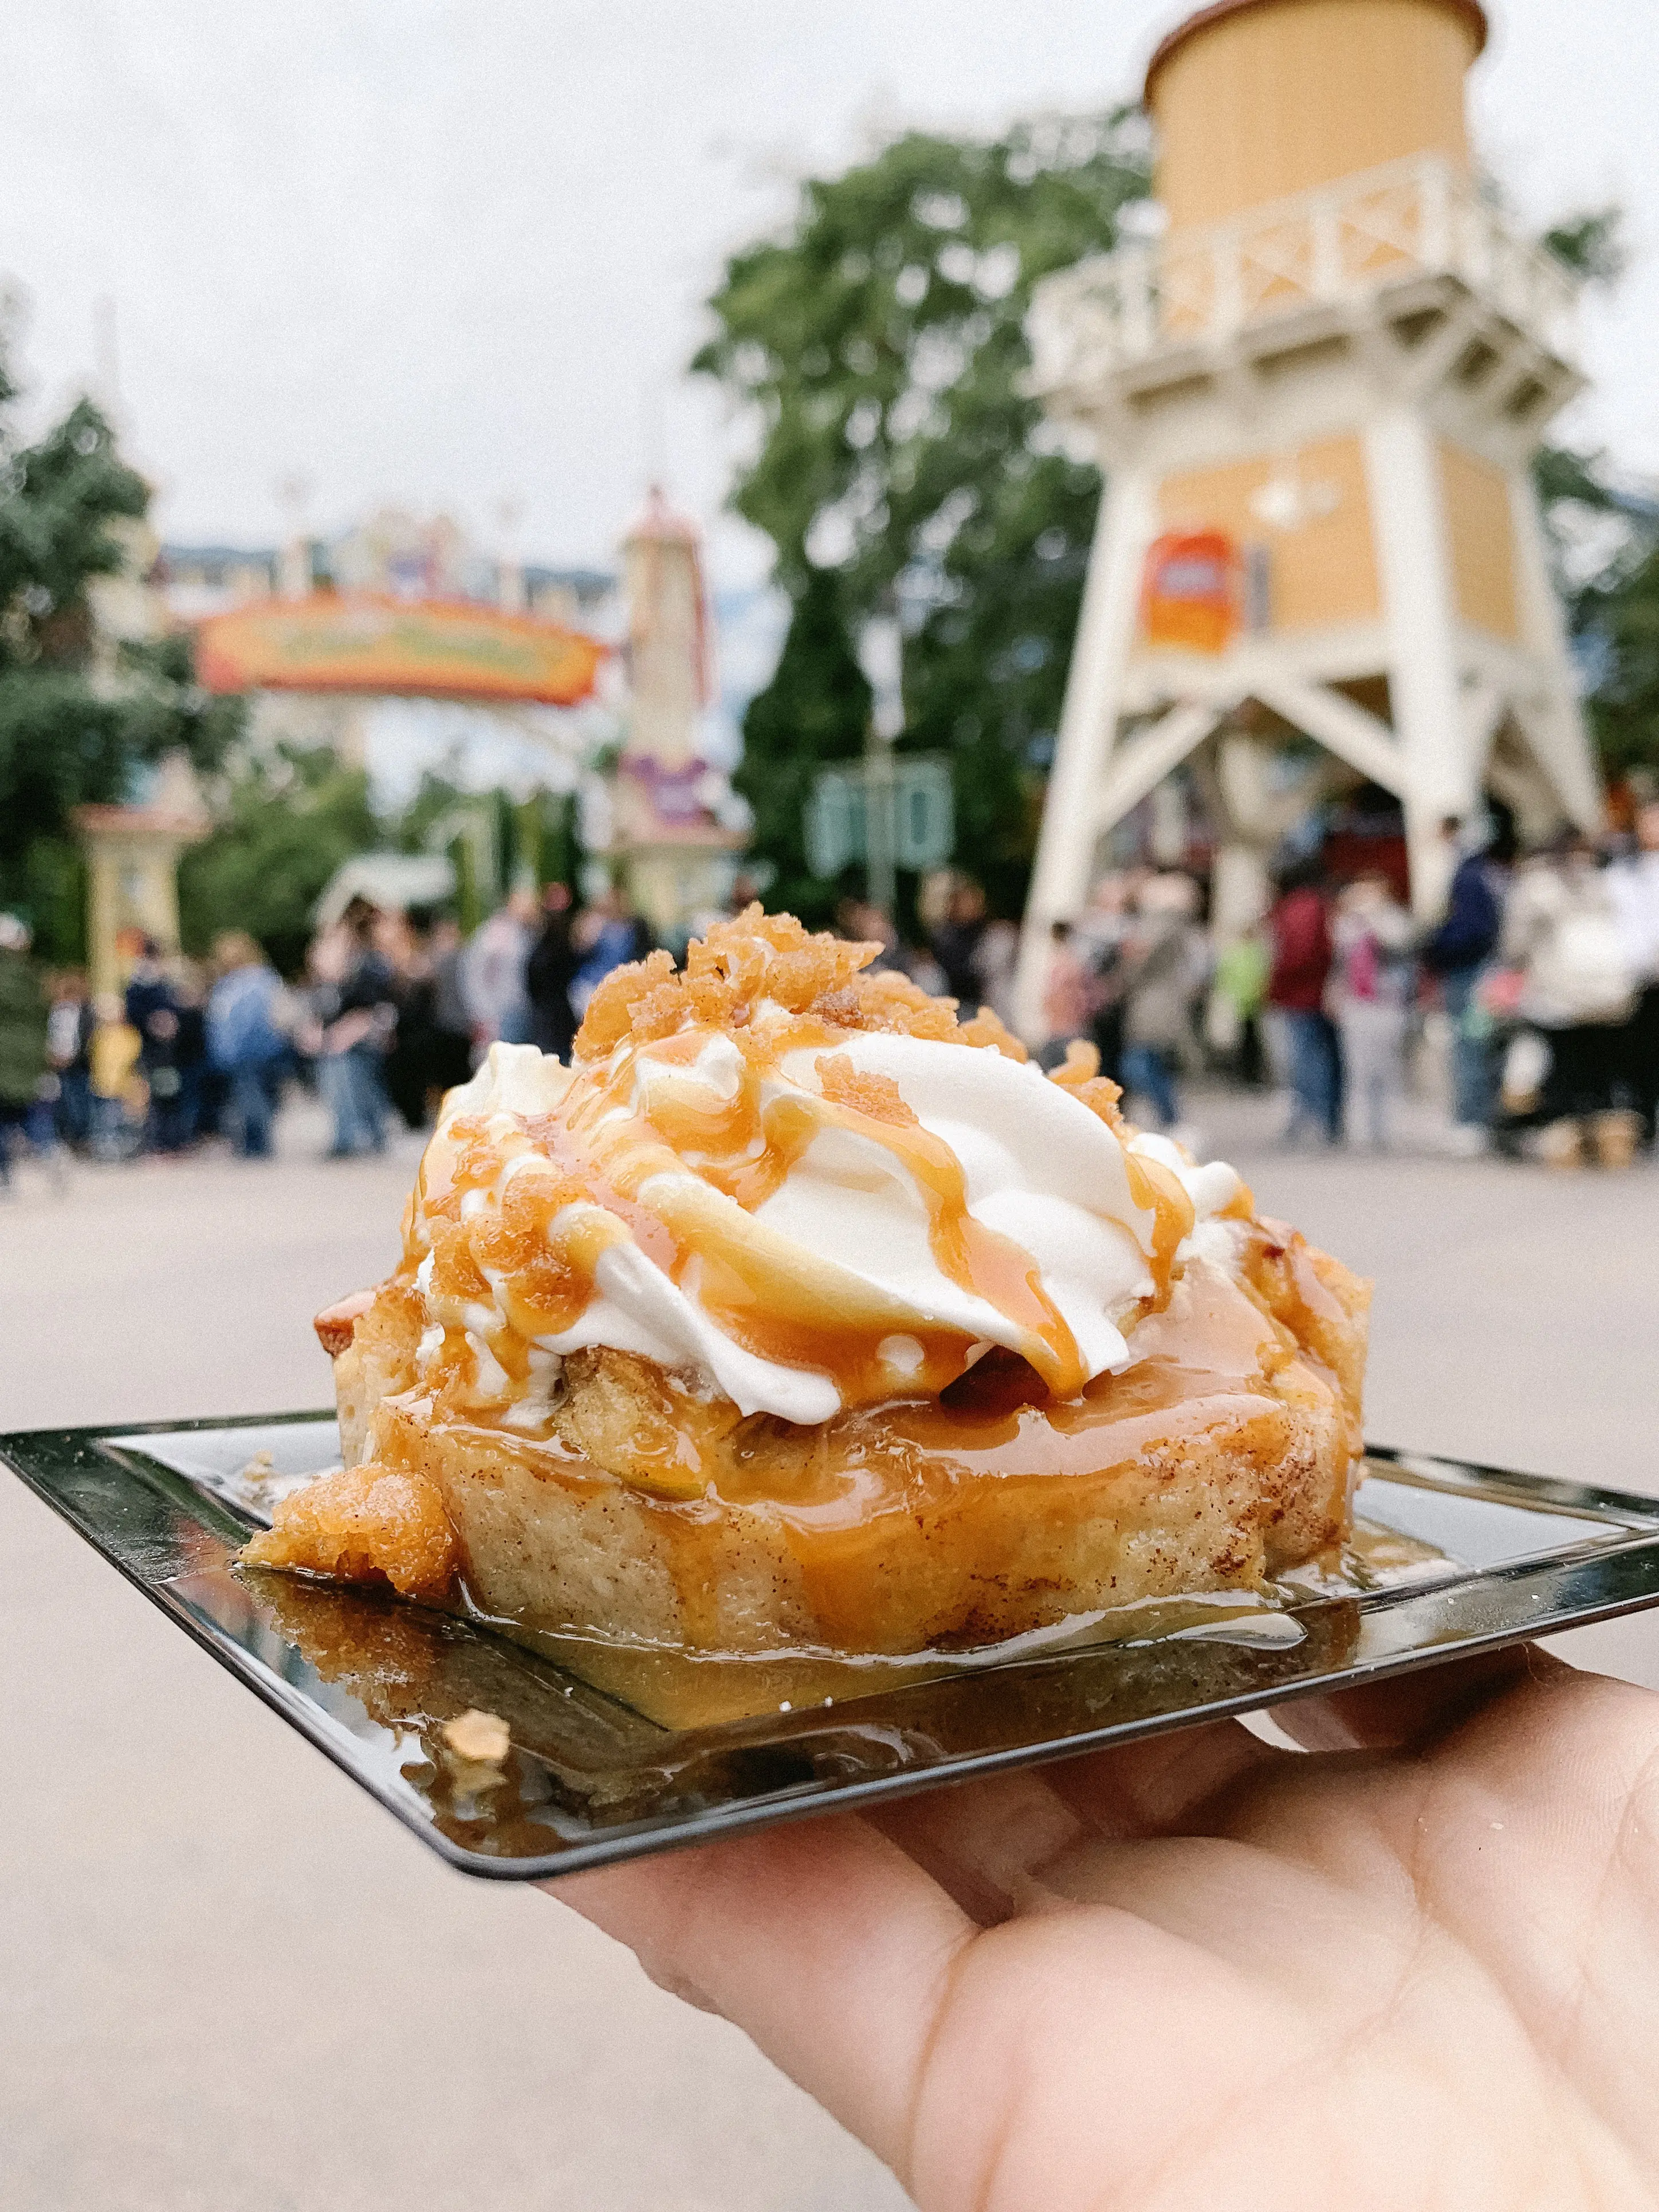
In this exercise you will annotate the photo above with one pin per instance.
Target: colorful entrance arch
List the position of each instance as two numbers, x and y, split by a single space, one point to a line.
359 641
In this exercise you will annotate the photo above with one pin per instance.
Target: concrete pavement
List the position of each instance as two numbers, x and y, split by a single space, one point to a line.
228 1981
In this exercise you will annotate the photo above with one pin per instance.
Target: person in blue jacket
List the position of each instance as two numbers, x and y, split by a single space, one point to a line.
1454 953
244 1040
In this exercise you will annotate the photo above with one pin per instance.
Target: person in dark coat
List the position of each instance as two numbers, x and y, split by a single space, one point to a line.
956 945
1634 884
201 1091
607 935
549 972
1299 929
452 1027
70 1025
355 1010
1454 953
153 1008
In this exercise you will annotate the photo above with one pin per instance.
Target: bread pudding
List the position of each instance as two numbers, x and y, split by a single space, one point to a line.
797 1314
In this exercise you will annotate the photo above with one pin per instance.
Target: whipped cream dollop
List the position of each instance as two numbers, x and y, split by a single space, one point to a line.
807 1220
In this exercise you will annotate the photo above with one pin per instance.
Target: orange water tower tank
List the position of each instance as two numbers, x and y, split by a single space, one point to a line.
1256 100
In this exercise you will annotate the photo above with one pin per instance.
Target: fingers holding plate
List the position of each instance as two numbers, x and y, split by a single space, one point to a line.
1409 1711
986 1843
822 1939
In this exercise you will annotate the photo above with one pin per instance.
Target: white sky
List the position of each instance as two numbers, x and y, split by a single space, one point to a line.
447 252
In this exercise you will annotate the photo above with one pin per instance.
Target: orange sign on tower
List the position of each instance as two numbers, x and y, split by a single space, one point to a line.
1189 590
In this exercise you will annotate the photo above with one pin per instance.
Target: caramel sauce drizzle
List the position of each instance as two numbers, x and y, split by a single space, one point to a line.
645 1113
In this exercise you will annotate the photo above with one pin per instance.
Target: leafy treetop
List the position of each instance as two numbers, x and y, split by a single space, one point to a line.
878 348
80 715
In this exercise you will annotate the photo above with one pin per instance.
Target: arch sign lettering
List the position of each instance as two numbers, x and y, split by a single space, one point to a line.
427 648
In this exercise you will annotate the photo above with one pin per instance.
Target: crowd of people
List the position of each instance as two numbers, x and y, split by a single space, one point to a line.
390 1011
1544 972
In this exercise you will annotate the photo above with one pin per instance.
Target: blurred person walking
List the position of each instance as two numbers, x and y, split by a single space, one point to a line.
1164 958
1299 934
956 942
549 973
1068 994
1368 997
1634 885
70 1025
1454 953
245 1040
450 1034
201 1086
606 935
996 961
431 1048
1232 1017
861 921
120 1097
153 1007
493 971
22 1038
1103 933
405 1063
354 1012
1563 929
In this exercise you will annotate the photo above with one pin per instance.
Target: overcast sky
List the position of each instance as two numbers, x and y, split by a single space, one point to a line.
452 252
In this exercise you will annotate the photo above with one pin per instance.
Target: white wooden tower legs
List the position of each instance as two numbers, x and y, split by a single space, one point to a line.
1438 774
1451 693
1088 727
1552 718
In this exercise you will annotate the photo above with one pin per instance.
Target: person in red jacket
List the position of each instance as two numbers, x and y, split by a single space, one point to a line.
1300 929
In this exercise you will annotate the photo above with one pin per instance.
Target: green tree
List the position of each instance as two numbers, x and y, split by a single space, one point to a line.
1613 602
816 709
435 796
287 821
81 716
878 348
1604 536
1620 617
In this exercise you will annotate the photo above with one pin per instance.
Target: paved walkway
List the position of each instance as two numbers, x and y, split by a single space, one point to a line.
227 1982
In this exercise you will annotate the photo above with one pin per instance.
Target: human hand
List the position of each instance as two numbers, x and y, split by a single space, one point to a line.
1420 1967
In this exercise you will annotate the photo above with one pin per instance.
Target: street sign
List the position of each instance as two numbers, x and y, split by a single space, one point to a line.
889 810
924 813
833 823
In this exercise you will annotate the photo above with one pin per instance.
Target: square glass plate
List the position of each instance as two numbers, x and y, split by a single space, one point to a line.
609 1758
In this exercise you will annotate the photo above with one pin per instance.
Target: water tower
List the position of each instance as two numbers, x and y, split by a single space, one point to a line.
1315 397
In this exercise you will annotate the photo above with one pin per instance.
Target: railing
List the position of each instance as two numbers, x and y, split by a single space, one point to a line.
1336 243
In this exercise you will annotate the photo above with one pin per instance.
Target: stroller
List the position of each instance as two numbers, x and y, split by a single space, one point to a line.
1537 1082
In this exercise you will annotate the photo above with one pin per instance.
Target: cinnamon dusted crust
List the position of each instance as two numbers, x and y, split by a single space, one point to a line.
642 1509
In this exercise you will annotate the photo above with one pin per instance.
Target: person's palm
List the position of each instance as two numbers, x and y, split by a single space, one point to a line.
1203 1971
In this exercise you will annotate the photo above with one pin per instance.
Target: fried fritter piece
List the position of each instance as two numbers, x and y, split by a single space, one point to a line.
365 1524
